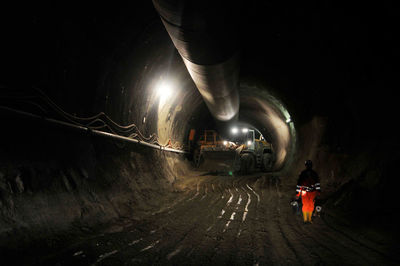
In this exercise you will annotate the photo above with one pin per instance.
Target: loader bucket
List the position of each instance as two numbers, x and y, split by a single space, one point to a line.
219 161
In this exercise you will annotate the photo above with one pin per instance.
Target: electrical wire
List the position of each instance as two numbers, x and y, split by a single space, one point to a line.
99 121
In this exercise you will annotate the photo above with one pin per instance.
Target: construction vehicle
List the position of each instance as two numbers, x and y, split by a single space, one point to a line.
243 153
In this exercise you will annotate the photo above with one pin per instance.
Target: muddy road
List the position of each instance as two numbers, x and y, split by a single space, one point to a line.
225 220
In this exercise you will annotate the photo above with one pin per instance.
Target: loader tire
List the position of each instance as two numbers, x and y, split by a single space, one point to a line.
247 163
200 161
266 162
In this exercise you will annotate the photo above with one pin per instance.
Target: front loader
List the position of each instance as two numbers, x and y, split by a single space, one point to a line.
244 155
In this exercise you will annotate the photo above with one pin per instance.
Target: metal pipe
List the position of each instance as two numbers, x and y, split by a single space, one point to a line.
91 131
203 33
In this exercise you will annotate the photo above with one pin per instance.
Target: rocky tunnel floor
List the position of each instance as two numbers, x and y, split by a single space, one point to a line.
225 220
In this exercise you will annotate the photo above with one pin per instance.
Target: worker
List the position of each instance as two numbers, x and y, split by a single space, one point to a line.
308 188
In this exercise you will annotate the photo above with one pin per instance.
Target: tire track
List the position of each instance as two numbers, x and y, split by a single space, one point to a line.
231 221
314 245
166 250
200 226
347 236
349 246
283 248
210 244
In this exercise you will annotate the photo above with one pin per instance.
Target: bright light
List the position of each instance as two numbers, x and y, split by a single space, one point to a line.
164 90
249 142
225 142
245 130
235 130
288 120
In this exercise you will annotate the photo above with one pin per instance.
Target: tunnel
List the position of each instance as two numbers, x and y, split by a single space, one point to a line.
102 108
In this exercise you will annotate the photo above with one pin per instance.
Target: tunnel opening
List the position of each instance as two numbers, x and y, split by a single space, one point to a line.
268 116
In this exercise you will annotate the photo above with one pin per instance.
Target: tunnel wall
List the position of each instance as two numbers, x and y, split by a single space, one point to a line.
261 107
358 184
57 184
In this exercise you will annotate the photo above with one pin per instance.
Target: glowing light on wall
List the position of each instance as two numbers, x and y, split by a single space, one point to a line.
165 89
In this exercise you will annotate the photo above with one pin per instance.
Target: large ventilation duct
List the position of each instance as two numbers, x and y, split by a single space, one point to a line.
203 33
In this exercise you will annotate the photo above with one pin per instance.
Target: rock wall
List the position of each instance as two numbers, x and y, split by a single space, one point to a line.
57 184
358 183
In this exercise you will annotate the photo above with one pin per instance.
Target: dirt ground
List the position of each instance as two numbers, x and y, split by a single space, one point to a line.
227 220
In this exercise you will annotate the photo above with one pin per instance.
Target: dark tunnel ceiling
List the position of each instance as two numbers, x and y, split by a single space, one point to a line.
319 57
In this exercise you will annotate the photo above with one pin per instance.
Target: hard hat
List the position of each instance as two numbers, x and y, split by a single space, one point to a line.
294 203
308 163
